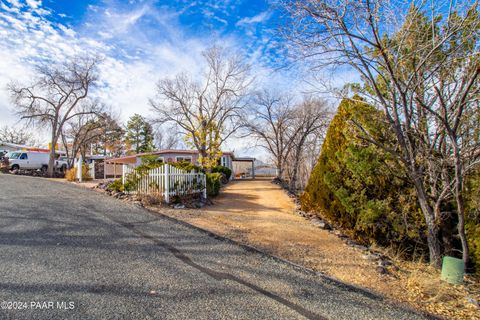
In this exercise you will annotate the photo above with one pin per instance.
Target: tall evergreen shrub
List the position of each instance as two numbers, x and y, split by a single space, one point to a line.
360 187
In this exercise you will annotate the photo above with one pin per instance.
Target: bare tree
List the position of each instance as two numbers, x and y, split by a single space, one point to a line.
16 135
421 69
205 110
267 120
310 119
166 138
59 94
90 132
284 128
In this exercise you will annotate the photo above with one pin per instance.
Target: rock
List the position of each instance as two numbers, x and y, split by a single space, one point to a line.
318 223
311 214
179 206
384 263
196 206
381 270
337 232
327 227
473 301
137 203
356 245
369 257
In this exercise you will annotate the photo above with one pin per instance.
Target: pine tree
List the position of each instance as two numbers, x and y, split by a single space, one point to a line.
139 134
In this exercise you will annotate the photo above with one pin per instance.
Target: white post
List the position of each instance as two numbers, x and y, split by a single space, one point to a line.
253 169
167 184
123 174
79 168
205 186
92 169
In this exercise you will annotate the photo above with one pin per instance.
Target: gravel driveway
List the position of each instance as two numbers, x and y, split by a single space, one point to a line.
71 253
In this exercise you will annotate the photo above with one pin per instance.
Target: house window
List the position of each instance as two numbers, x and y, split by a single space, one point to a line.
187 159
224 161
161 159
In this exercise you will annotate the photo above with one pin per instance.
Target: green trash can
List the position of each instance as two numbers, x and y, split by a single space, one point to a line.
452 270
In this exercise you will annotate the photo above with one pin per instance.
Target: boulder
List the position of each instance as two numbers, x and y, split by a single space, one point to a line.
370 257
384 262
318 223
381 270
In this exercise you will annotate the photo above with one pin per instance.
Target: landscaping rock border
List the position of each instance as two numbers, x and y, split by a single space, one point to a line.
383 263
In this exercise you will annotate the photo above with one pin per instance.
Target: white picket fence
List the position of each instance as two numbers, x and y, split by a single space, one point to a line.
166 181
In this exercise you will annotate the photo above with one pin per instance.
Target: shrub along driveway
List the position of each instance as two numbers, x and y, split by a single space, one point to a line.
61 243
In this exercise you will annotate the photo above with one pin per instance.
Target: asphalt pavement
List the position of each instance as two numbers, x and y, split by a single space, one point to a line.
71 253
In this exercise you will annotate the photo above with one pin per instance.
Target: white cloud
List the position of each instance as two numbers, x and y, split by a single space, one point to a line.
261 17
34 3
135 55
129 71
15 3
7 8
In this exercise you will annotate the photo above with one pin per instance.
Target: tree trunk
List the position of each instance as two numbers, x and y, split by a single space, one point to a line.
446 230
460 207
69 162
293 178
432 226
51 160
279 169
461 228
204 156
293 181
137 144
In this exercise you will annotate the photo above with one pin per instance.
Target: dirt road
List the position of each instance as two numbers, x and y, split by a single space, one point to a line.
261 214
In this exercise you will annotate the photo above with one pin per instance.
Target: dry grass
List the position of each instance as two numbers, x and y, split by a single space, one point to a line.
425 290
71 174
151 200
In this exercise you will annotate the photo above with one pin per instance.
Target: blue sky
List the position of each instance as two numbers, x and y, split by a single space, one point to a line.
153 22
140 41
